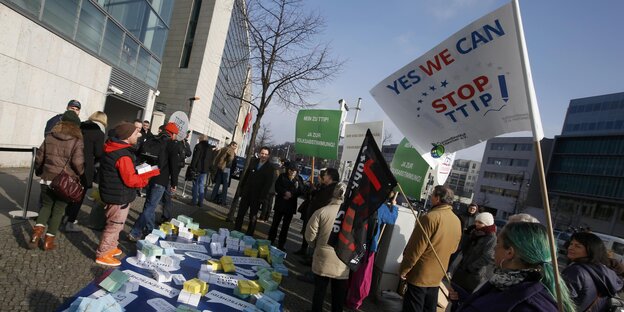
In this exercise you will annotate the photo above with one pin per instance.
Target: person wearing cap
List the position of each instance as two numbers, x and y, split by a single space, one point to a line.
62 149
93 138
288 187
118 184
478 254
168 163
72 105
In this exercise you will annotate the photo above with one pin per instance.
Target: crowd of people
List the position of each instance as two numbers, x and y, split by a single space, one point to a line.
486 268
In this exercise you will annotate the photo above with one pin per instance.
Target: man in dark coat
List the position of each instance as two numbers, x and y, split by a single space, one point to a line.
203 155
72 105
288 187
93 139
168 163
319 198
255 189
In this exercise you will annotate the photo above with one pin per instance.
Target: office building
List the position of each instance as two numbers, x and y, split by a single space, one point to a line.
107 54
206 70
463 177
586 175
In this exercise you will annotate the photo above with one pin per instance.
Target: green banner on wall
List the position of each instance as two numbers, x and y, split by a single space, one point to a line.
318 132
409 168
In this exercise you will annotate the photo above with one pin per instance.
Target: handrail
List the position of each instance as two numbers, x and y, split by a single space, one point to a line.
33 150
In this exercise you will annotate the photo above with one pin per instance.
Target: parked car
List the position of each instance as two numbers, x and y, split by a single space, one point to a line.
237 167
305 174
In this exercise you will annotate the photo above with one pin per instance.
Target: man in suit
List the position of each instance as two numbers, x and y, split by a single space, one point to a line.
255 189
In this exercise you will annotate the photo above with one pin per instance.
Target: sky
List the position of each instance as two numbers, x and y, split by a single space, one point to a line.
576 50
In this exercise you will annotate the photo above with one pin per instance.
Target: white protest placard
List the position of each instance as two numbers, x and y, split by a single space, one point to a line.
181 120
250 261
152 284
122 298
183 246
152 265
466 90
354 136
215 296
161 305
444 168
197 255
224 280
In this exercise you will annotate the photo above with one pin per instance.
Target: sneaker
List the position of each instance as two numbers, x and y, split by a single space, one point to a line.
108 261
132 238
72 227
115 252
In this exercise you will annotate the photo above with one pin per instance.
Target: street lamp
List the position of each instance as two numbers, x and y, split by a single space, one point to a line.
520 189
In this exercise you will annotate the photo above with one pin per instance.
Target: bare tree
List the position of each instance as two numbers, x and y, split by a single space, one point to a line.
265 136
387 138
287 62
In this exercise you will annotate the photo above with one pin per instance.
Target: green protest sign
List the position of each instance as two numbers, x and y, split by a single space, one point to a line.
318 132
409 168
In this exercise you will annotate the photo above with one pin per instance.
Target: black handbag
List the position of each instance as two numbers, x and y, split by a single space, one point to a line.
66 187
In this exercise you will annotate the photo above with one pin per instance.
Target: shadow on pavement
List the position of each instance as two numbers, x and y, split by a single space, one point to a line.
40 300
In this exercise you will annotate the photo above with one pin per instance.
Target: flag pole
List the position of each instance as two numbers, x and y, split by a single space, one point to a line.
536 126
423 229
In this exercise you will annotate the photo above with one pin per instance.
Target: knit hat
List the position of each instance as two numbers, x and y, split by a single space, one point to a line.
74 103
124 130
70 116
486 218
172 128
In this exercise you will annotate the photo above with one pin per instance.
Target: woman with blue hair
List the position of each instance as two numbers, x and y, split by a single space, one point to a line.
524 279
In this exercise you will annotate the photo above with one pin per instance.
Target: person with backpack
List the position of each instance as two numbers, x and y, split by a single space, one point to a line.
118 182
162 151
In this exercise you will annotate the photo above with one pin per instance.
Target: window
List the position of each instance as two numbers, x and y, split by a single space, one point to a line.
61 15
190 35
31 6
129 54
90 26
111 47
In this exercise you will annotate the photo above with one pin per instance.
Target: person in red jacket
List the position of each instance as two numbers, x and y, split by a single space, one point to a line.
119 181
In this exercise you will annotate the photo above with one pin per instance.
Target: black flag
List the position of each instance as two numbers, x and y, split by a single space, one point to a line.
369 185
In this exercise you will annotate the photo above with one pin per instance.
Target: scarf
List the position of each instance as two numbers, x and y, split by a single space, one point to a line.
504 278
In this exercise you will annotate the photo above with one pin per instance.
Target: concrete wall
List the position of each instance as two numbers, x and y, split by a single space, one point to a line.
40 73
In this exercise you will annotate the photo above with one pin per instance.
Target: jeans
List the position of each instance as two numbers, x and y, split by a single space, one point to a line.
220 179
146 220
198 189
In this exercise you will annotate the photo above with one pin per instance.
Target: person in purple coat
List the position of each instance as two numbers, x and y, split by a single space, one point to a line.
523 279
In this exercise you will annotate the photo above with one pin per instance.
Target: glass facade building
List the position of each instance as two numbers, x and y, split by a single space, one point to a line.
129 35
586 173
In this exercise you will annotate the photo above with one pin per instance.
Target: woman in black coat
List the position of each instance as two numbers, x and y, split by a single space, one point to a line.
93 136
288 187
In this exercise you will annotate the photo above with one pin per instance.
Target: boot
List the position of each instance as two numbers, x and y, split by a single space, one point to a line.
49 242
37 232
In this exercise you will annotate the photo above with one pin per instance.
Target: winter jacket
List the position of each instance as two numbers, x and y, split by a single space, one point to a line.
51 123
386 214
224 157
56 150
318 199
183 152
584 290
203 156
419 264
257 182
528 296
282 185
325 262
93 138
478 254
119 179
169 164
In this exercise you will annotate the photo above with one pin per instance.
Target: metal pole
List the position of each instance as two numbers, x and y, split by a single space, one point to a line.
357 110
29 183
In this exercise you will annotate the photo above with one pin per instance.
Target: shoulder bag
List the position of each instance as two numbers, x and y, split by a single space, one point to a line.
65 186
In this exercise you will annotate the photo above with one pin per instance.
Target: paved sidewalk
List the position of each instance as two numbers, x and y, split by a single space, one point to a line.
34 280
